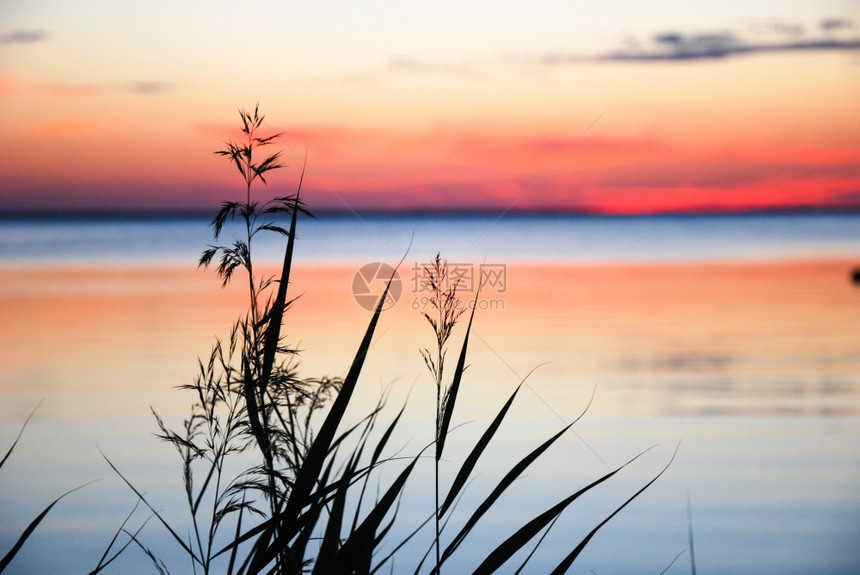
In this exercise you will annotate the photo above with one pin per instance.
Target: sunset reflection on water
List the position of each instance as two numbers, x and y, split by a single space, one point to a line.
755 367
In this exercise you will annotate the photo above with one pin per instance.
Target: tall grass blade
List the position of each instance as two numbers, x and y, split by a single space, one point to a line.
506 482
276 315
312 514
104 561
536 546
374 459
690 534
519 539
32 527
301 524
451 395
253 411
403 543
362 538
470 462
20 433
568 561
308 473
232 562
156 562
669 566
331 538
167 526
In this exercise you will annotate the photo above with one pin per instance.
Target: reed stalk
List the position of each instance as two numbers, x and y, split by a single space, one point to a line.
446 310
306 508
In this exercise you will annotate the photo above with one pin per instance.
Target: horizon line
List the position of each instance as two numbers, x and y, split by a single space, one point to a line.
128 213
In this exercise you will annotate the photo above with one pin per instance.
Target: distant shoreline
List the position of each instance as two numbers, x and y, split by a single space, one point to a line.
418 213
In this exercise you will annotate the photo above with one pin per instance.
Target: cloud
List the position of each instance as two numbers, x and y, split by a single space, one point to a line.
13 86
831 24
23 36
762 37
147 88
674 46
678 46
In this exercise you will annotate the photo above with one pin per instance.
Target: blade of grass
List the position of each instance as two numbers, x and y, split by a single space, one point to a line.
308 473
20 433
311 516
32 527
402 543
566 563
515 542
331 541
537 545
361 540
103 560
276 315
455 384
167 526
252 409
231 564
472 459
669 566
506 482
289 523
156 562
690 534
377 452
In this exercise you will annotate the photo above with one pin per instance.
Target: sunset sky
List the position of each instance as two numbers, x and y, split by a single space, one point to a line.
610 107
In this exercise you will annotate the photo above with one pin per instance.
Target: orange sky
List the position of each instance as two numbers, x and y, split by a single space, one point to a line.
629 111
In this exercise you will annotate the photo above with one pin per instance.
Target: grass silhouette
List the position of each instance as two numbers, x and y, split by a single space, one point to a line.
275 479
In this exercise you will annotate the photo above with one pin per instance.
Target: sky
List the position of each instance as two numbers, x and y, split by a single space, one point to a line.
620 107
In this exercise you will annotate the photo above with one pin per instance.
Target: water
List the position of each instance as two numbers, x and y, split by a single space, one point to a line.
735 336
178 241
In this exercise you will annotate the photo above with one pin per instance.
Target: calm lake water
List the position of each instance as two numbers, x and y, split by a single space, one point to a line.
737 337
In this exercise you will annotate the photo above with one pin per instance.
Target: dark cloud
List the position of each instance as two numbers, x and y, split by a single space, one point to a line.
831 24
22 36
676 45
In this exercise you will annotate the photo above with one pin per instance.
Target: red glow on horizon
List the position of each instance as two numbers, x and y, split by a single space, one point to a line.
96 166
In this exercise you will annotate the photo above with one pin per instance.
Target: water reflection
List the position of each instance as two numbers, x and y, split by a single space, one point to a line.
755 366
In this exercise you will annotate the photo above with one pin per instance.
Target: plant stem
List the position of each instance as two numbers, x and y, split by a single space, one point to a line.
436 459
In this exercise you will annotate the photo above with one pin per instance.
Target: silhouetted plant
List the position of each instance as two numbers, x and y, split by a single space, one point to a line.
446 310
306 508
